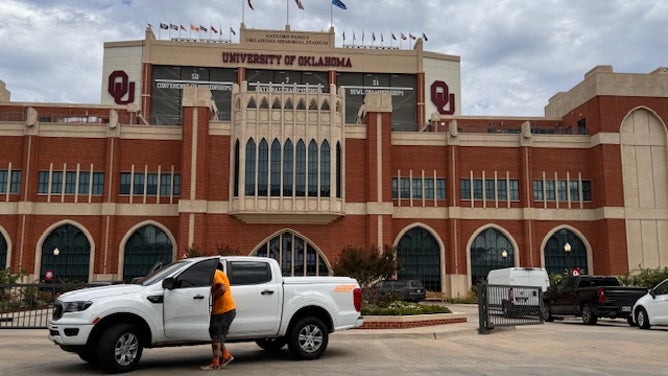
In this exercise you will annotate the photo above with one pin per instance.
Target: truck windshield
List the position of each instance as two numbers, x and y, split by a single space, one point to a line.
160 274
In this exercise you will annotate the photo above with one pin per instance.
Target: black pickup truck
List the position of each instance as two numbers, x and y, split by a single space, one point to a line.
590 297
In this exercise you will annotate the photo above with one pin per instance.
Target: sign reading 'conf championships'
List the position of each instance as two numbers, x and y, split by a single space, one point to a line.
290 60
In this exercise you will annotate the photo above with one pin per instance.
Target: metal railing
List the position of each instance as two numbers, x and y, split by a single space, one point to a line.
504 305
29 305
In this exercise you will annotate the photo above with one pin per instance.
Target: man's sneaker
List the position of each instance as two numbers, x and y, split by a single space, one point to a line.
226 361
210 367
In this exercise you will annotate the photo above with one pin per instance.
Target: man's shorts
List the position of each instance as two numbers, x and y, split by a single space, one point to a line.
219 325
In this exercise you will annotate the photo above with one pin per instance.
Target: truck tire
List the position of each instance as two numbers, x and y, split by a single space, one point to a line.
272 344
119 349
547 313
588 315
308 339
642 319
88 356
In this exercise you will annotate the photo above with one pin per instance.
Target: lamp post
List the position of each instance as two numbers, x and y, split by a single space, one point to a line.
56 252
567 249
504 256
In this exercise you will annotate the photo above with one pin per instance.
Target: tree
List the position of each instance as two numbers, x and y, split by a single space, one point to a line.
366 265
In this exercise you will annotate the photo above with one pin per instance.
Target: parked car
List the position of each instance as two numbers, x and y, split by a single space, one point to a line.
652 308
591 297
410 290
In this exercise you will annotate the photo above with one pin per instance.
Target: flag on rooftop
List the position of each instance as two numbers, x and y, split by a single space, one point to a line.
173 27
412 36
403 36
424 37
204 29
299 4
373 36
164 26
344 35
338 3
250 5
193 27
182 27
393 36
214 29
232 31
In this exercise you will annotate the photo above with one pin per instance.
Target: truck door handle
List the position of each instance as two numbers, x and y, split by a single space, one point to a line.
267 292
198 297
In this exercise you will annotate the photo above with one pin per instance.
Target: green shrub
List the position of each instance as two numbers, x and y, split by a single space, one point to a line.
366 265
401 308
645 277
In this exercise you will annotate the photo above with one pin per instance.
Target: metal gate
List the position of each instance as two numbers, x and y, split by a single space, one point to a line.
504 305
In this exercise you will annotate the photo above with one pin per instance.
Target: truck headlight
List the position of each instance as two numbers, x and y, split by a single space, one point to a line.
76 306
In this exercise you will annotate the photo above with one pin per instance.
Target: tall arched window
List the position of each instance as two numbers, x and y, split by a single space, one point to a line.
339 170
236 168
419 257
563 251
275 168
250 168
148 247
262 168
3 252
312 169
287 169
297 256
300 184
324 169
487 253
73 257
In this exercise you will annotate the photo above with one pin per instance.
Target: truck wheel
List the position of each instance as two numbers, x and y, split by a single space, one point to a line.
271 344
588 316
119 349
642 319
629 319
547 313
308 339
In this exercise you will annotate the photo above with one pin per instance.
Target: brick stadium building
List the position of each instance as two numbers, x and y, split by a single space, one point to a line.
285 145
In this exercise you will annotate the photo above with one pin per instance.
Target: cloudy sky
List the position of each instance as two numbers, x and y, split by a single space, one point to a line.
515 54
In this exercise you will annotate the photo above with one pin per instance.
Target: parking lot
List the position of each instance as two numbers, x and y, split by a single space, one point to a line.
560 348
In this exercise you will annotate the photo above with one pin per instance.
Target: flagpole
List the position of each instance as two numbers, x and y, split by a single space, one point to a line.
287 12
243 8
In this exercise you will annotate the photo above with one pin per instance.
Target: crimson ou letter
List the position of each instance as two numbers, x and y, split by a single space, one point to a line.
120 86
441 97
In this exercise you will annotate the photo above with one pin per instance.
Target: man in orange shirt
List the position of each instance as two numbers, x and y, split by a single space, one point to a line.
223 312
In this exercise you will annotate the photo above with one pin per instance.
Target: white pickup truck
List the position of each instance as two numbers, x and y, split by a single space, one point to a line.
110 326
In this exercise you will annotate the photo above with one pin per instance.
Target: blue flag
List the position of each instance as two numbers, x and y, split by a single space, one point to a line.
339 4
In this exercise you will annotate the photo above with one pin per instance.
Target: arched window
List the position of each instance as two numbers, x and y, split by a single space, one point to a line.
73 257
300 184
325 105
338 170
251 103
288 104
301 105
487 251
3 252
275 168
262 168
419 258
236 168
287 169
146 249
250 168
276 105
324 169
264 103
312 169
297 256
313 105
563 251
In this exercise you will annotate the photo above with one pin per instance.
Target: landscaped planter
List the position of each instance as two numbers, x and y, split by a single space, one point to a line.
411 321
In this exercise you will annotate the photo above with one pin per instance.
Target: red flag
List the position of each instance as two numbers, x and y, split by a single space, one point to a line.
183 28
214 29
250 5
194 28
299 4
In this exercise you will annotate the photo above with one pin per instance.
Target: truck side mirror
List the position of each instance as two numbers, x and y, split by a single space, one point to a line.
168 283
651 292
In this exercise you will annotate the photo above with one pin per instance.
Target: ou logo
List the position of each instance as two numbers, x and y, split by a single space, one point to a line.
119 86
441 97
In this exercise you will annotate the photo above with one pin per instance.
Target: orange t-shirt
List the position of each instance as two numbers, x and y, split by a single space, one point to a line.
223 303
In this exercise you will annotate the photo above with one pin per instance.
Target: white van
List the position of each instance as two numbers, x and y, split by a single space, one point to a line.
516 287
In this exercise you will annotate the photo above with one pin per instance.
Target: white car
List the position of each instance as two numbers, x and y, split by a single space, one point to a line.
652 309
